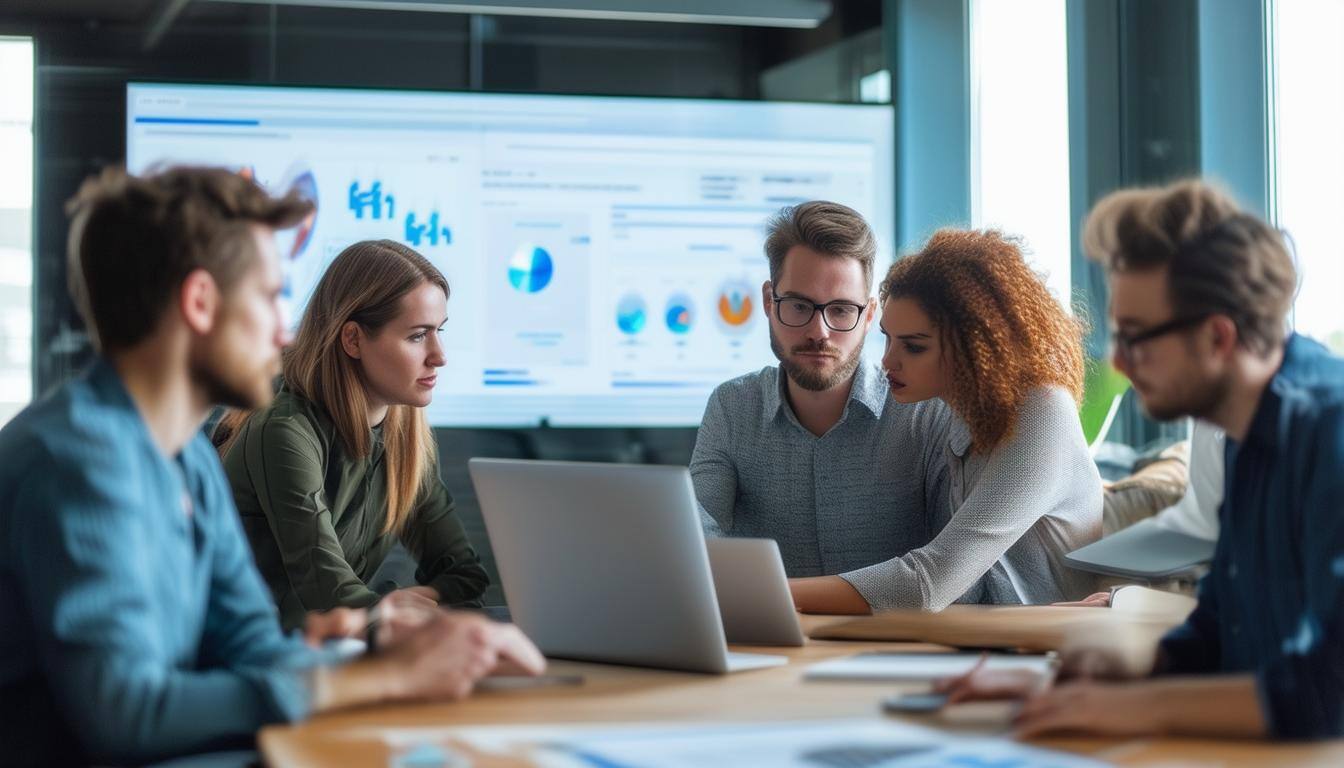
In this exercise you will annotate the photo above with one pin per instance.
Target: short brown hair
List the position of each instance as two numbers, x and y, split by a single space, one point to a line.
134 239
1219 259
1004 332
828 228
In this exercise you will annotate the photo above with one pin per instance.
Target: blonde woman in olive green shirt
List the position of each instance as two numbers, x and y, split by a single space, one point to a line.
342 464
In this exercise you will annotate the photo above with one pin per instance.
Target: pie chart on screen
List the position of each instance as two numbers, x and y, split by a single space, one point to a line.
530 268
680 314
631 314
735 308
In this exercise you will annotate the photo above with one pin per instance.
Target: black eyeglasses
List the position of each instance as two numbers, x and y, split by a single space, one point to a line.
839 315
1125 343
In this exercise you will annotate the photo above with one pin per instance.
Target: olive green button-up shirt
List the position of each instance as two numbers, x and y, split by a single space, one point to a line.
315 516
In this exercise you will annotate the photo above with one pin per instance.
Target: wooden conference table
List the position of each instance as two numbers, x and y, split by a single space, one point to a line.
612 694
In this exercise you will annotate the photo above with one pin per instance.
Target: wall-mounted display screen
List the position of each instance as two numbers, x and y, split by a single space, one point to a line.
605 254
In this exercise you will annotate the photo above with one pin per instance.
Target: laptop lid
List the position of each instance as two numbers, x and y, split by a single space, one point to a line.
603 562
754 599
1144 550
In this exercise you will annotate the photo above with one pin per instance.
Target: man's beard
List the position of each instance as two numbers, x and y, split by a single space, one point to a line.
810 379
236 390
1200 402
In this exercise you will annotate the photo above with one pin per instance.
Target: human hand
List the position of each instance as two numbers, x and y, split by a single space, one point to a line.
1113 650
445 655
1094 600
400 612
1092 663
1103 709
337 622
419 596
982 684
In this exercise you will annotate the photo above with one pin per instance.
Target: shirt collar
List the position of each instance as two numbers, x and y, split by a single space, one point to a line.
107 383
869 391
105 380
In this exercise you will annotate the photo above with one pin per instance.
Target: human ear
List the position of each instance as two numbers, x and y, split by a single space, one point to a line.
1223 334
351 338
199 301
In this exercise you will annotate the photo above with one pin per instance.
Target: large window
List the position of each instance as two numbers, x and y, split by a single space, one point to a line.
16 203
1020 129
1309 156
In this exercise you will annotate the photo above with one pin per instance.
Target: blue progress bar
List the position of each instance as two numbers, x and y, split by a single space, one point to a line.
195 121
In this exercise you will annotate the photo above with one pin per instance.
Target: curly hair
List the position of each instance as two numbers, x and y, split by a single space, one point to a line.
1002 330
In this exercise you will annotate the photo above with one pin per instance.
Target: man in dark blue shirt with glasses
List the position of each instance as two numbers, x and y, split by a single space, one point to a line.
1200 294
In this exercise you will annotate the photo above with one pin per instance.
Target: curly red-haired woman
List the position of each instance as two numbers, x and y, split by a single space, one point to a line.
966 320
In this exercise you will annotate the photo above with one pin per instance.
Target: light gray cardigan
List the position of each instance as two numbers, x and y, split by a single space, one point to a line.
1013 515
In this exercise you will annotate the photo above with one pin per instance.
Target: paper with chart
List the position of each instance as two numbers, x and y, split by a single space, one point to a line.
851 743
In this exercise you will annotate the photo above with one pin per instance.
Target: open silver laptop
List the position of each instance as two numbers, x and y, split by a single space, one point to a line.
753 590
606 562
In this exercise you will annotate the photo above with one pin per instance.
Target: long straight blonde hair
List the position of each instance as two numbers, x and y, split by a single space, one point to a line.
365 285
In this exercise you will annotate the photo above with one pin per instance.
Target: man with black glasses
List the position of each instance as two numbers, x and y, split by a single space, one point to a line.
813 453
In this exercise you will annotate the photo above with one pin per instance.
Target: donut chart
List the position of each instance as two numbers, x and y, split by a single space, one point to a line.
680 314
531 268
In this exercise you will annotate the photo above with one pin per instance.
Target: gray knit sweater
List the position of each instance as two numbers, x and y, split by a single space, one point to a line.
1012 516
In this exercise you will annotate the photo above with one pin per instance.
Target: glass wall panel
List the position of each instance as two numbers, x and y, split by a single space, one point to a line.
1309 156
16 203
1020 129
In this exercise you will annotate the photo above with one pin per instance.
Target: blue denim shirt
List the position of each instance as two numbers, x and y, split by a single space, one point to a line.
1272 603
135 625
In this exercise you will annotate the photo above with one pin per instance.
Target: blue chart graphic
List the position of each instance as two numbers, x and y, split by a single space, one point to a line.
680 314
531 268
631 314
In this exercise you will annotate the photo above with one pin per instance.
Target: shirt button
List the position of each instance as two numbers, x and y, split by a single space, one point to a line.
1232 571
1236 628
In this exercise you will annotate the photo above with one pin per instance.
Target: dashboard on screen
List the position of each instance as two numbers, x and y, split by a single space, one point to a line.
605 254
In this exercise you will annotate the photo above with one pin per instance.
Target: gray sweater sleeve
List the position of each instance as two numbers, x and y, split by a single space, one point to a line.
1043 468
713 471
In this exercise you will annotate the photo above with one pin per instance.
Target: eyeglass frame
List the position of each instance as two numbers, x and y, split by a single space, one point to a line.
818 308
1124 343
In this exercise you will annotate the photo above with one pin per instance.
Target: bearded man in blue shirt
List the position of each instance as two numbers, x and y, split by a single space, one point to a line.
136 626
1200 293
